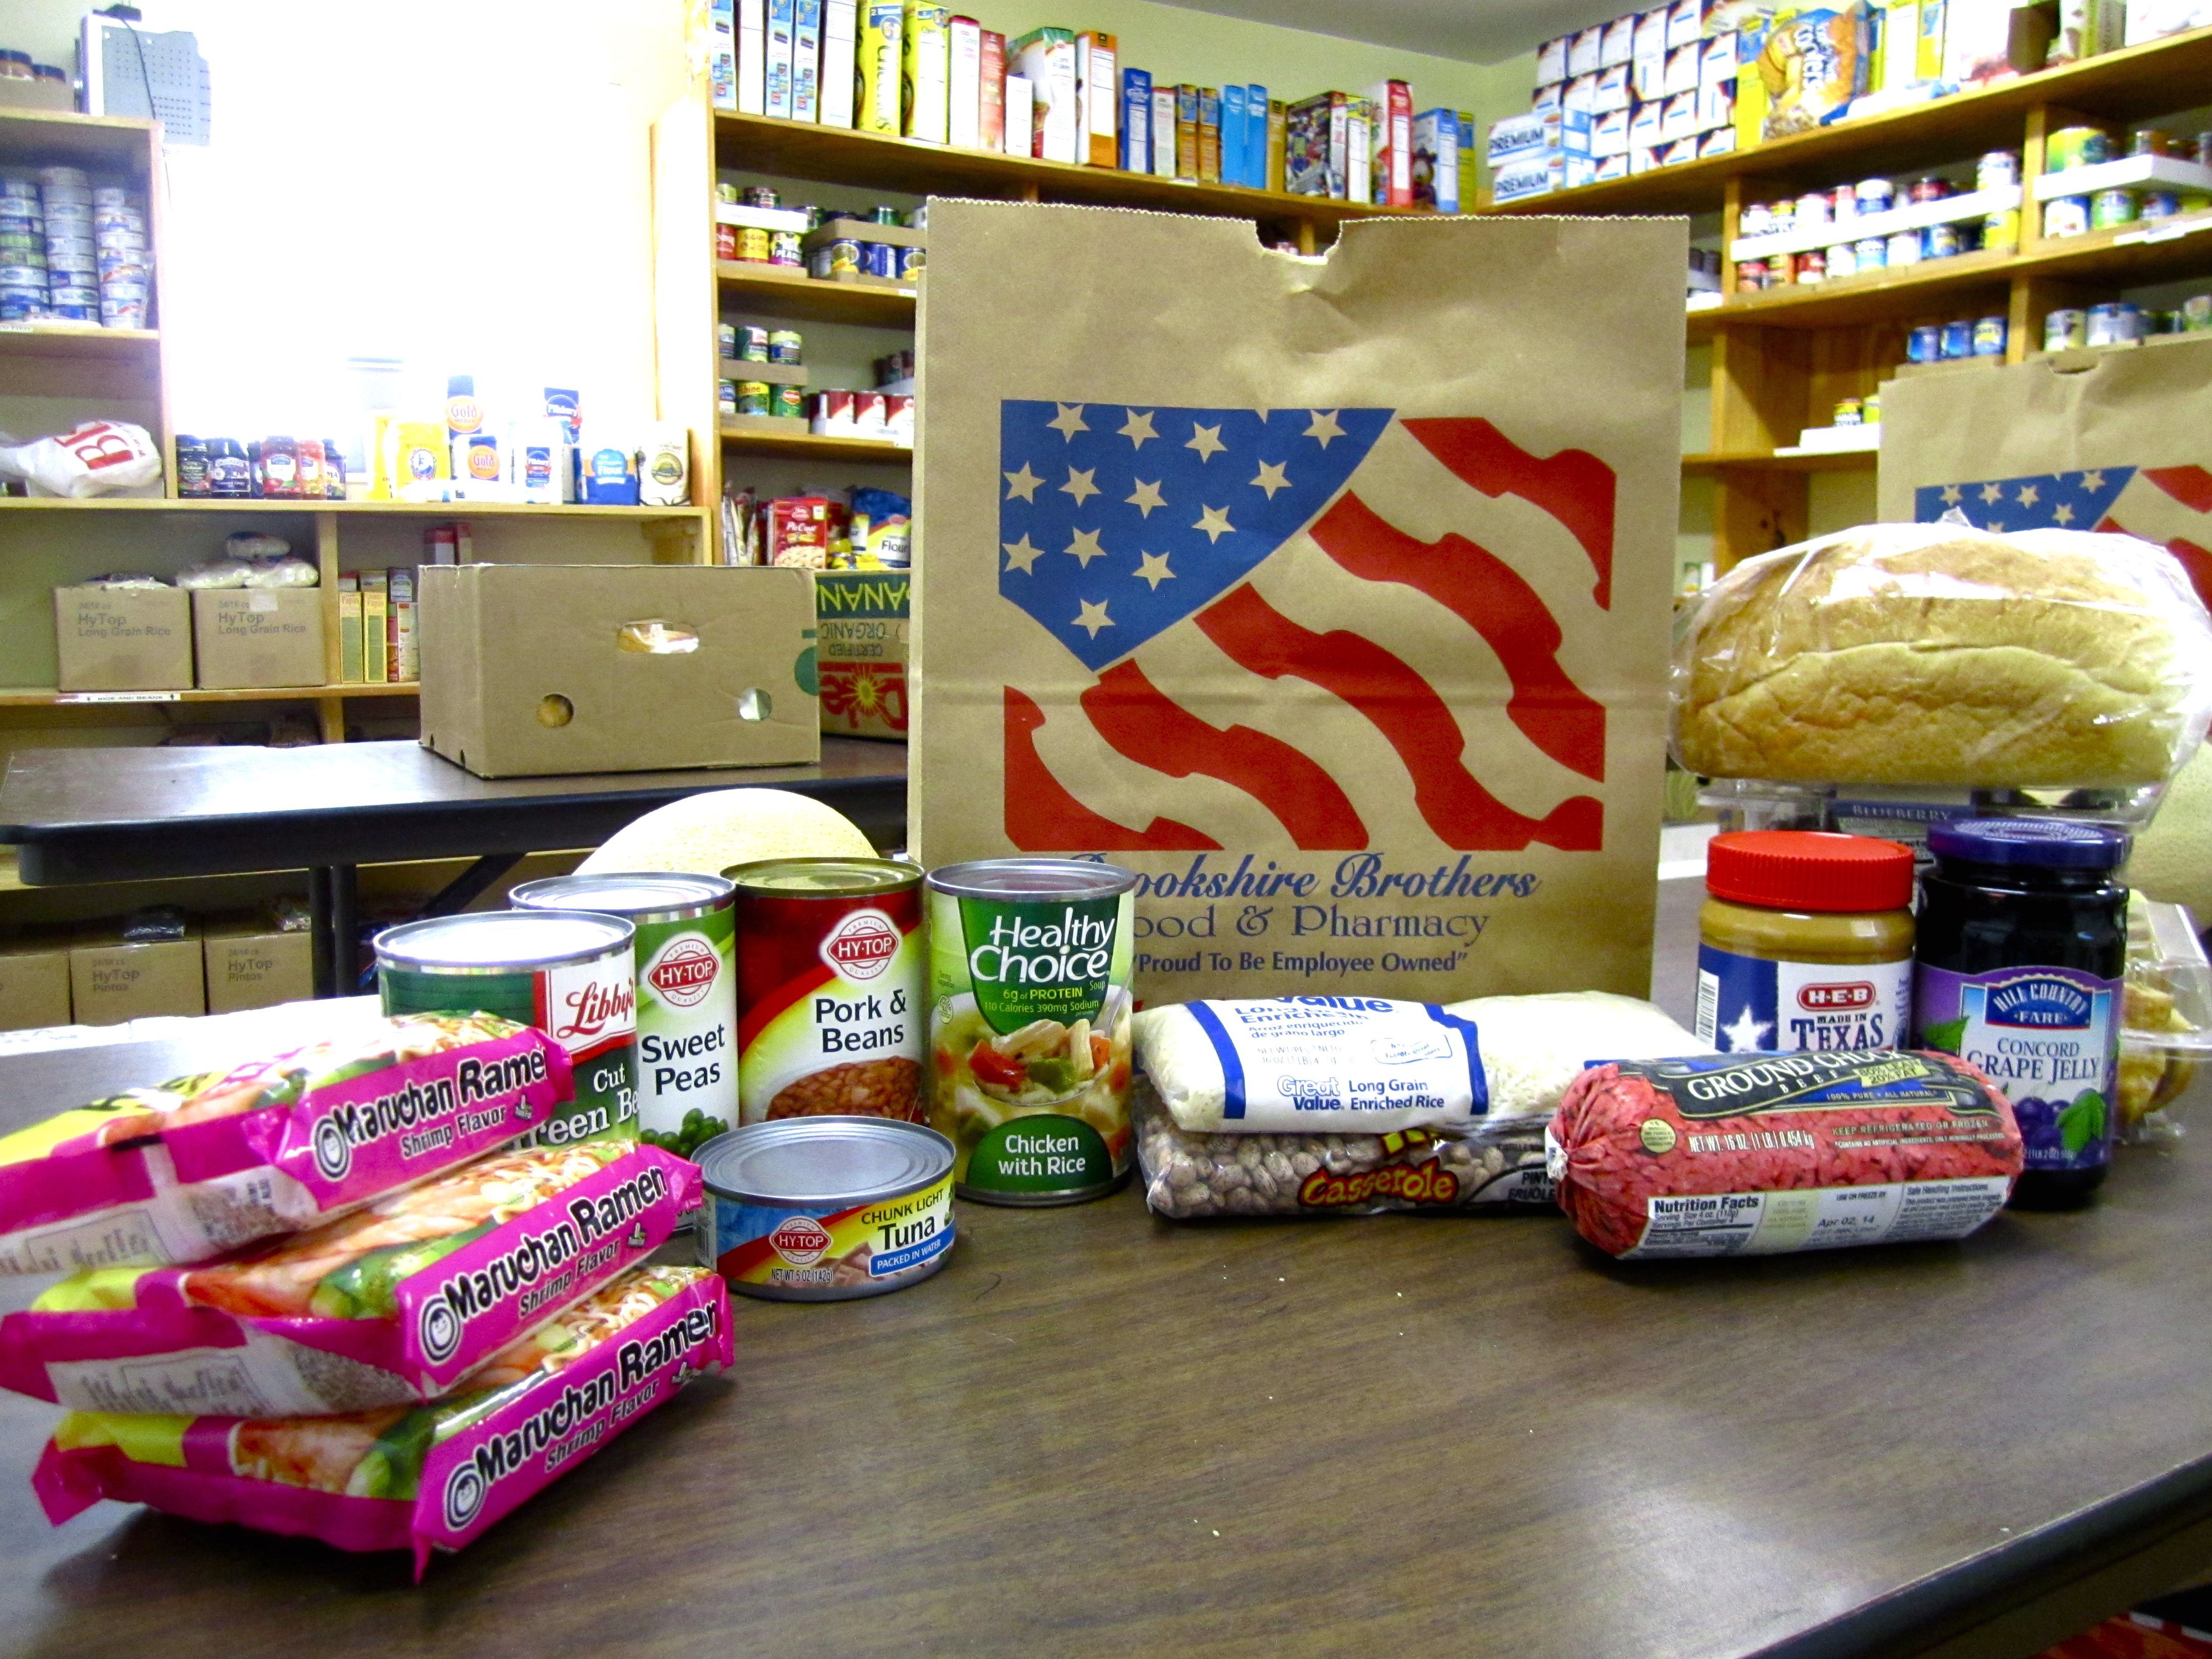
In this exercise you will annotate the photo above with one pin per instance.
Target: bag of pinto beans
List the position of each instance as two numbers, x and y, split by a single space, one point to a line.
1653 1145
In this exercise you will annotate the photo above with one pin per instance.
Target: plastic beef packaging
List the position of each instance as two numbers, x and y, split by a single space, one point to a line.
1763 1154
428 1477
184 1170
1941 654
390 1305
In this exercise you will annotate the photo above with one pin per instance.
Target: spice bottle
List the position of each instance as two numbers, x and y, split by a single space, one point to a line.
2023 946
1805 942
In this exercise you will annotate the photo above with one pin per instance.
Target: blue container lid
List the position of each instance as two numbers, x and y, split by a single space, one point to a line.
2049 842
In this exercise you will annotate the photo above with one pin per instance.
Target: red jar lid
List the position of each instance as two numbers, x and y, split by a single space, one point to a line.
1809 869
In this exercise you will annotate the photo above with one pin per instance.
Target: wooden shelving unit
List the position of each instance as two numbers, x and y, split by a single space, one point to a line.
692 144
1782 358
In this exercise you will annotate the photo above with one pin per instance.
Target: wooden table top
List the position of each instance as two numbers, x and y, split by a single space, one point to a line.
1099 1433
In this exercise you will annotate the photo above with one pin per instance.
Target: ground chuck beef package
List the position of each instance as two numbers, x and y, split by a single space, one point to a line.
184 1170
428 1477
1759 1154
392 1304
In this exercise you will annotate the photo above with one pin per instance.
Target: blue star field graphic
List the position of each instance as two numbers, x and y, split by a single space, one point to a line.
2045 501
1115 523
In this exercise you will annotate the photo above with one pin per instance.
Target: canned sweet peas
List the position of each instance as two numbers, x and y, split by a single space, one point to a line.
687 998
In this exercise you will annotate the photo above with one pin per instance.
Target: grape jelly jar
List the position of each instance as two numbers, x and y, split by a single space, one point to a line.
2022 947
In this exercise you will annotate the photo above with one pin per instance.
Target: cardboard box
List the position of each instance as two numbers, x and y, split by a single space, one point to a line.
123 639
861 626
251 963
534 669
250 636
111 980
34 982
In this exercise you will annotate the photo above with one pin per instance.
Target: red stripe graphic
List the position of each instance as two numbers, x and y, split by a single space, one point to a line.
1042 816
2189 485
1406 710
1143 723
1552 711
1573 486
2196 562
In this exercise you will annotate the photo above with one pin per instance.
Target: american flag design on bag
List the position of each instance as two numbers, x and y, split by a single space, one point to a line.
1285 602
2169 507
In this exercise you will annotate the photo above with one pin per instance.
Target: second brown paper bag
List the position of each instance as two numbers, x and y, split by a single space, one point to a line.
1329 595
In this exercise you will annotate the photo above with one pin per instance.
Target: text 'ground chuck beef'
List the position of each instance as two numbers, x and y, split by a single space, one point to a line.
1758 1154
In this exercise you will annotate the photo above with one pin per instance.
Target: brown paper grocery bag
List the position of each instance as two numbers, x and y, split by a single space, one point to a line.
2102 440
1329 595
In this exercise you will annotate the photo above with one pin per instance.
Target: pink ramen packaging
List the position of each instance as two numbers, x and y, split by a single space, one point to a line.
392 1304
428 1477
185 1171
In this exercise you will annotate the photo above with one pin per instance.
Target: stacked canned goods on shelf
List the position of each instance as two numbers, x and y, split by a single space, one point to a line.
739 343
780 238
1963 337
73 248
2123 322
2147 199
1864 236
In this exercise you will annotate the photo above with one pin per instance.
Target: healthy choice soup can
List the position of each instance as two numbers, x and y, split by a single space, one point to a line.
687 994
824 1209
829 989
569 973
1028 1026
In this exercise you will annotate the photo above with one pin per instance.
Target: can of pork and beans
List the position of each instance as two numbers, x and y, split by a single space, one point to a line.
825 1209
1028 1026
687 994
569 973
830 989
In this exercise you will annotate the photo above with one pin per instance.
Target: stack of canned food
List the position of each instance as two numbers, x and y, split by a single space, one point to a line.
856 255
852 254
2073 148
73 249
751 342
2122 322
1965 337
1843 208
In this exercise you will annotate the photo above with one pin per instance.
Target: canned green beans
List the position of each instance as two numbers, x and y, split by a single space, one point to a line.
569 973
1028 1026
686 998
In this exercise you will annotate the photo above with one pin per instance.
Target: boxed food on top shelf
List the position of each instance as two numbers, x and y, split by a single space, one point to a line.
135 638
258 637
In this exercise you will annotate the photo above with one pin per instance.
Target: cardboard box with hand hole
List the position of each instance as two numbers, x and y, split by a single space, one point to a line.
533 669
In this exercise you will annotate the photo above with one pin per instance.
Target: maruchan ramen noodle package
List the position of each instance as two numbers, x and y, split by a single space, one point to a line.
392 1304
425 1477
185 1171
